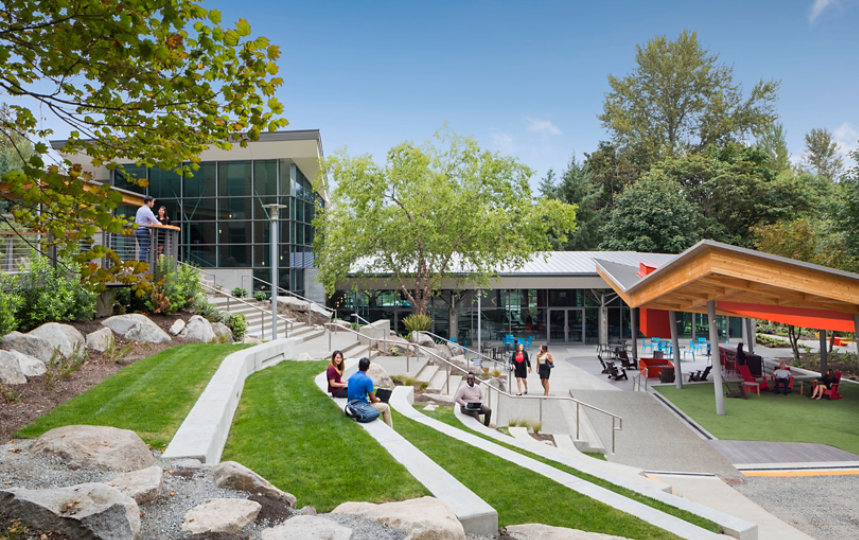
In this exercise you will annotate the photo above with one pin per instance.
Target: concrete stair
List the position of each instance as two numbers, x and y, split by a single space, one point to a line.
257 315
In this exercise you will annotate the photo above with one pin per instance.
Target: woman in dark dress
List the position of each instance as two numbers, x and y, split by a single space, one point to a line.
741 355
334 373
165 220
825 383
545 363
521 367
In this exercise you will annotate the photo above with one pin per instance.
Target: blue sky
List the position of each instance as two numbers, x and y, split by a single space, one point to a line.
528 78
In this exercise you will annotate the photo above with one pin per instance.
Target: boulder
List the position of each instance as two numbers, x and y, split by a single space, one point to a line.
136 327
221 515
308 527
537 531
30 366
380 377
81 511
144 486
177 326
251 340
64 337
222 332
442 352
95 446
10 370
28 344
455 349
292 303
100 340
321 310
422 339
342 324
395 344
198 329
233 475
187 466
426 518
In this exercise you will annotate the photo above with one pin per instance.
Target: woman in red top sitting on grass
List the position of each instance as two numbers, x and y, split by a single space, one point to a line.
334 373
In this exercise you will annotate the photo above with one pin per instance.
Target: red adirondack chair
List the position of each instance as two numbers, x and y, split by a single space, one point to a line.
832 391
748 380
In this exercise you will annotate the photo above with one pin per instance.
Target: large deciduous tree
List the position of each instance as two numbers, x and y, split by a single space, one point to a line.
679 98
431 212
151 83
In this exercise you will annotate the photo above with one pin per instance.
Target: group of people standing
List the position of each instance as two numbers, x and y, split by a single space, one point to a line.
521 366
145 219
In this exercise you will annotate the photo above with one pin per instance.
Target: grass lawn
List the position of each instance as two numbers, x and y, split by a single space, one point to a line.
446 415
521 495
771 417
151 396
297 438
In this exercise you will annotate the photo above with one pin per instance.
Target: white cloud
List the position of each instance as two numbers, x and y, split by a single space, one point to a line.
818 7
502 142
846 137
543 127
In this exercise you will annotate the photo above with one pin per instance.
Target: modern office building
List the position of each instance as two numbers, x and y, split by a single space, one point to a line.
557 297
222 209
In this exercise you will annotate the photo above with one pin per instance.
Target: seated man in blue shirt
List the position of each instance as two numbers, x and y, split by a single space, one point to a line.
360 388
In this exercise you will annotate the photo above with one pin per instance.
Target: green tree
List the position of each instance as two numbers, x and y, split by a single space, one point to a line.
135 81
680 99
822 154
650 215
429 213
577 188
773 143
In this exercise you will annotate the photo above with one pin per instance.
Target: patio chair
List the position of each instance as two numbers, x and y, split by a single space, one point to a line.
789 380
625 360
616 374
700 375
605 369
691 349
530 342
832 391
748 380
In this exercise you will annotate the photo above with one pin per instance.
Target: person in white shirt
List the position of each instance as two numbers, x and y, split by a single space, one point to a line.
145 219
782 379
471 393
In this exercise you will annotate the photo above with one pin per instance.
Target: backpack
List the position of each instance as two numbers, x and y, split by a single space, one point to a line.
361 411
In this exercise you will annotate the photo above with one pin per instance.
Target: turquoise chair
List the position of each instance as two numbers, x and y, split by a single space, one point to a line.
646 343
530 342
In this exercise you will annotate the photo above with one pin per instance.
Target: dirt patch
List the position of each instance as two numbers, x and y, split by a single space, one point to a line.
21 404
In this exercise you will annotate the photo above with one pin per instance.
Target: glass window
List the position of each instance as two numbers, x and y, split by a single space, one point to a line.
201 255
262 233
260 210
123 179
235 255
234 179
202 232
265 178
199 209
234 232
286 166
235 207
200 183
164 184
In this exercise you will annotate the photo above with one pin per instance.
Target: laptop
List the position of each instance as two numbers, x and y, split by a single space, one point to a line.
473 405
384 394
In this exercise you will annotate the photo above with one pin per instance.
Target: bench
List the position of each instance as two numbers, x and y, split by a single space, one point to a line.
654 366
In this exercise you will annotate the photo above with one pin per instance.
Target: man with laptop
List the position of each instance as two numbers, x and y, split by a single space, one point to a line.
360 391
470 398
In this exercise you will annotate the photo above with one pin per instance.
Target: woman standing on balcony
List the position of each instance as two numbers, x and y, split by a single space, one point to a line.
165 220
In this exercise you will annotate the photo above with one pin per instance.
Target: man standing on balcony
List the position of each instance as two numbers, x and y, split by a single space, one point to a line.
145 219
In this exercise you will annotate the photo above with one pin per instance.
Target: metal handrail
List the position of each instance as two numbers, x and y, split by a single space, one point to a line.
287 322
332 312
358 317
448 341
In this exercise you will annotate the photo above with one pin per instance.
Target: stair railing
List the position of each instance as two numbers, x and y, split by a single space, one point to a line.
332 313
479 355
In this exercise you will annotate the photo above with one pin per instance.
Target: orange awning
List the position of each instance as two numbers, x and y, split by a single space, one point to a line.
821 319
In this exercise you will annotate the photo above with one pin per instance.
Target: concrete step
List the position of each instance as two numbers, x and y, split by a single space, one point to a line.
588 439
426 373
401 365
438 383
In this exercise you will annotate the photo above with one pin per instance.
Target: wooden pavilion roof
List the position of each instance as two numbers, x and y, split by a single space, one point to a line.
731 275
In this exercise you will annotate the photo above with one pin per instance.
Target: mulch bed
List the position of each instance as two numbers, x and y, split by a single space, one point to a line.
21 404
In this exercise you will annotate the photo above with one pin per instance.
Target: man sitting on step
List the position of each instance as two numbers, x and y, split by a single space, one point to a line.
470 398
360 388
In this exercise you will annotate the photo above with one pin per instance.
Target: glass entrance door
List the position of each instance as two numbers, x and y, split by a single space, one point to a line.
566 325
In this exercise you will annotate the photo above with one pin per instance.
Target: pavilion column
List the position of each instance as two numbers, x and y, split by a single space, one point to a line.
714 358
824 356
675 345
749 335
856 335
634 323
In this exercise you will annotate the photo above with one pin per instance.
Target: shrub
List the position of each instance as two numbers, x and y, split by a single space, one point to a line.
237 325
261 296
62 368
50 294
417 322
9 304
175 287
238 292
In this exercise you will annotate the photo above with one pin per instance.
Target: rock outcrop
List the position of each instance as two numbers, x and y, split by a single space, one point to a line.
537 531
233 475
426 518
308 527
144 485
198 329
221 515
95 446
60 336
136 327
28 344
222 332
100 340
380 377
82 511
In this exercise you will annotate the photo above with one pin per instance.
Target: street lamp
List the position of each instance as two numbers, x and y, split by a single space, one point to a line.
274 214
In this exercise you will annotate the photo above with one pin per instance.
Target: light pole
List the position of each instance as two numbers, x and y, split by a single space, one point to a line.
274 215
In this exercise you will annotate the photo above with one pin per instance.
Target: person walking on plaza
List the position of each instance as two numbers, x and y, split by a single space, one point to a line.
360 388
144 220
545 363
521 367
470 399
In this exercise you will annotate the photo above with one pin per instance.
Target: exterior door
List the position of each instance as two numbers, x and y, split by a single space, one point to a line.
566 325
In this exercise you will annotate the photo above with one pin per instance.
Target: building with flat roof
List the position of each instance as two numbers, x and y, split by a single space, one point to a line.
221 209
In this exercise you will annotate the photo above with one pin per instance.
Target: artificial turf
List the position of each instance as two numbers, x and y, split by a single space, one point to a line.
774 417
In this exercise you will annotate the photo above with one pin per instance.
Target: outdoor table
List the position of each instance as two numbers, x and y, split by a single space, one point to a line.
802 380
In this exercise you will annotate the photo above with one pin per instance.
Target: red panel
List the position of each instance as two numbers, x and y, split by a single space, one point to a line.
655 323
822 319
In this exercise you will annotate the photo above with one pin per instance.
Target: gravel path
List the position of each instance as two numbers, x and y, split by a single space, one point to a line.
820 506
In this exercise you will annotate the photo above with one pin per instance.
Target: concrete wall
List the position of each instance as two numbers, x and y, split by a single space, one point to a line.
230 278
